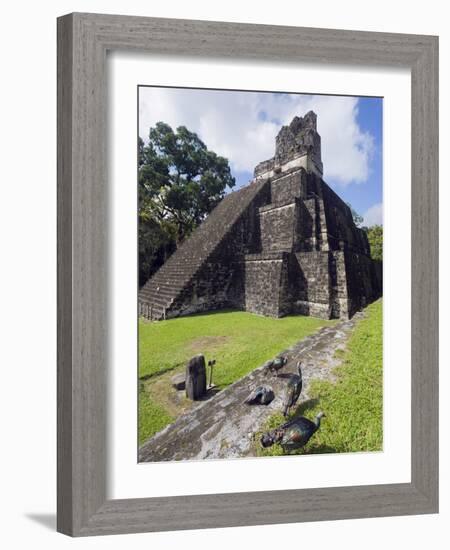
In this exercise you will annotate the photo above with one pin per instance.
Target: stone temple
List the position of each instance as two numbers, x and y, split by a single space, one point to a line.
284 244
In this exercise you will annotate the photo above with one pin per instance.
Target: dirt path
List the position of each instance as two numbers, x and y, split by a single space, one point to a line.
223 426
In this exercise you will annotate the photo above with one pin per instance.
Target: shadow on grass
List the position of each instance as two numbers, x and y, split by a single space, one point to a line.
320 449
195 315
146 377
311 449
304 407
231 311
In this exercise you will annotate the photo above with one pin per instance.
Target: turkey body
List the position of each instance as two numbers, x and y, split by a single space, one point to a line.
274 365
297 433
262 395
293 434
293 390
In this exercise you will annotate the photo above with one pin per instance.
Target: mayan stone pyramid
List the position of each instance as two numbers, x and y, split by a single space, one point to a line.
283 244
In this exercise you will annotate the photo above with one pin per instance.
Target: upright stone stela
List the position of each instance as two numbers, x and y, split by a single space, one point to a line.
285 243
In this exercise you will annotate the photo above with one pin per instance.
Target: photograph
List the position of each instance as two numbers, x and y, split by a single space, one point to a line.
260 240
222 310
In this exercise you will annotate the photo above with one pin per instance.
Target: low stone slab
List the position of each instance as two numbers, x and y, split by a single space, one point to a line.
179 381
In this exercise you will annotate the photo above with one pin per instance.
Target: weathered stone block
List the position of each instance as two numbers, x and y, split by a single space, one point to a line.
196 378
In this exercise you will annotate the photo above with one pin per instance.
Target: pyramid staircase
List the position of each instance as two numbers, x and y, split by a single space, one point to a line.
175 276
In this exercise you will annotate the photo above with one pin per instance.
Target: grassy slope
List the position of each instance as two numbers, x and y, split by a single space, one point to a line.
239 341
353 405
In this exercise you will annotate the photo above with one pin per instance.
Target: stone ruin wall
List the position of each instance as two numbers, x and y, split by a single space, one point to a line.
300 257
218 284
294 248
323 266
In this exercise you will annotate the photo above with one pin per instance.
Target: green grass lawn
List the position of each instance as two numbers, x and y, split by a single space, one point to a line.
239 341
354 403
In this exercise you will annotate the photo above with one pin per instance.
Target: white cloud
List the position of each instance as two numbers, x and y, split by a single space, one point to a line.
374 215
242 126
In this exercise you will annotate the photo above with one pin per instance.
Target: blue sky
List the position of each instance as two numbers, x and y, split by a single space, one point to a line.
242 127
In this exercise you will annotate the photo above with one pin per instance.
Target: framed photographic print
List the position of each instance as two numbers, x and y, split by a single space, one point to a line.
253 263
247 274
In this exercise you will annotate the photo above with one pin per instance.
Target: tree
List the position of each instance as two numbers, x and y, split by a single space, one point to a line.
180 182
357 218
179 178
157 241
375 236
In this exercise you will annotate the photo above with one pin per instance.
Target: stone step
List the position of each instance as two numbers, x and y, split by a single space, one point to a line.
180 269
156 313
177 260
174 277
168 284
166 294
160 304
166 289
163 289
158 300
154 299
156 309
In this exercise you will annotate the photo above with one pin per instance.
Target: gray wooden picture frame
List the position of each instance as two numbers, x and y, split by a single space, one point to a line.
83 41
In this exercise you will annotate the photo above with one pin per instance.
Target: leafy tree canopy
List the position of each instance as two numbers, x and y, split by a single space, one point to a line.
375 236
180 182
357 218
